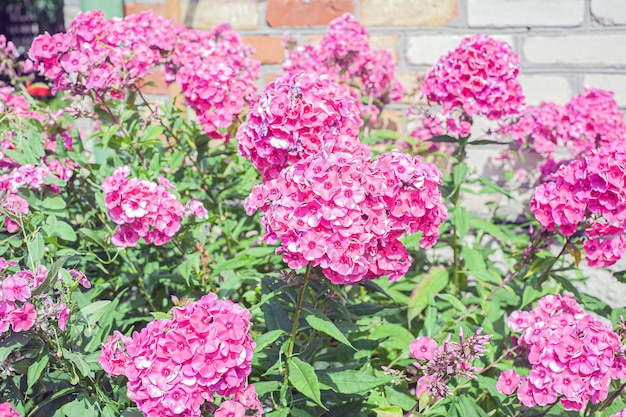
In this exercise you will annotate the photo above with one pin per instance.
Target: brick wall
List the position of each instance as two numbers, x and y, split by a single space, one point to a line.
563 44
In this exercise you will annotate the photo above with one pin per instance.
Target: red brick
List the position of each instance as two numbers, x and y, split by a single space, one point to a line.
160 86
269 49
306 12
136 8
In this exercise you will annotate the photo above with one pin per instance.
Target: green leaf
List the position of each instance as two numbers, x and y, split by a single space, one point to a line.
35 251
429 285
77 360
10 343
264 387
321 323
455 302
93 236
474 261
302 377
53 203
459 173
461 219
53 275
283 412
55 227
443 139
92 312
267 338
352 382
36 368
389 411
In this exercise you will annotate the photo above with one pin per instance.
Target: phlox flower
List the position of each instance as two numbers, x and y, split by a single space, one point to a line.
175 365
23 318
6 410
508 381
423 348
573 356
346 56
338 211
479 77
297 115
144 209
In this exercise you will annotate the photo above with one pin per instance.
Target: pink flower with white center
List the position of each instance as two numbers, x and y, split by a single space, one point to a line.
15 288
423 348
6 307
64 315
337 211
573 356
508 382
75 62
303 114
23 318
230 409
346 56
203 351
144 209
479 77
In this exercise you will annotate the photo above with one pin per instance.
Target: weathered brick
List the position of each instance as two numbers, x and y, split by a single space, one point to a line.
205 14
136 8
609 12
503 13
598 50
411 83
389 42
306 12
611 82
538 88
408 12
427 49
269 49
159 86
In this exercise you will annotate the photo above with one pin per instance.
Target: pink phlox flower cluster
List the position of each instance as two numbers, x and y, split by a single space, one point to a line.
7 410
622 413
345 55
588 193
589 121
298 115
20 310
144 209
573 356
105 55
175 365
344 213
438 364
478 78
217 74
13 206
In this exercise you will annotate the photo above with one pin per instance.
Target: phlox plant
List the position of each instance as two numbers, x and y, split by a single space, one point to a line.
233 251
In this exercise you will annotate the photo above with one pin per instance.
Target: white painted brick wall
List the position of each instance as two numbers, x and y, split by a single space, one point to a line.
609 12
515 13
427 49
538 88
579 50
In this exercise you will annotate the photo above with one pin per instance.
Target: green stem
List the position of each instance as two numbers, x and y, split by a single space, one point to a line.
294 327
613 396
457 276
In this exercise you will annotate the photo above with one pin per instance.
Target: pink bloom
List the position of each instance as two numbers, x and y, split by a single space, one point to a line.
423 348
6 410
64 315
508 382
23 318
15 289
75 62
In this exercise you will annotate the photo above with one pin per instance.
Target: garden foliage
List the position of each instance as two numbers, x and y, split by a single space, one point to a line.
232 253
